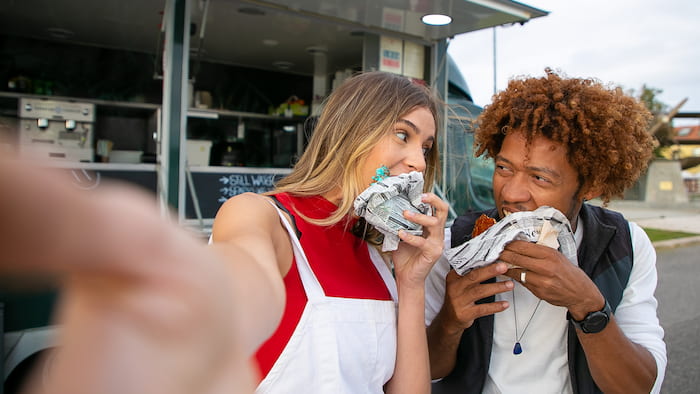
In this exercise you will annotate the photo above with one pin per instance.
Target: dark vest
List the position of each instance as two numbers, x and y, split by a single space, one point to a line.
605 255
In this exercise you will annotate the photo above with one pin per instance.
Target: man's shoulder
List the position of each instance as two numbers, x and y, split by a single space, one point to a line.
595 215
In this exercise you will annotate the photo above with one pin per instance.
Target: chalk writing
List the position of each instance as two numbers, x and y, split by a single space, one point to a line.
235 184
213 189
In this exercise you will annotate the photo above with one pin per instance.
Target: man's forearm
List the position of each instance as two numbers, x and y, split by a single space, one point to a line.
442 346
617 364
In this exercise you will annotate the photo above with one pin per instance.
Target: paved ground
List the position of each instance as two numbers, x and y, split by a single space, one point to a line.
674 217
679 314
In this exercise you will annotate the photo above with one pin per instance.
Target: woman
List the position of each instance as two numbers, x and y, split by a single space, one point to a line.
339 331
146 308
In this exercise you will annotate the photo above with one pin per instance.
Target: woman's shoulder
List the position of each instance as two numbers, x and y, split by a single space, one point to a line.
246 200
246 210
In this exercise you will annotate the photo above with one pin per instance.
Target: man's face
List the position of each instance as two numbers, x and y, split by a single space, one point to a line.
530 176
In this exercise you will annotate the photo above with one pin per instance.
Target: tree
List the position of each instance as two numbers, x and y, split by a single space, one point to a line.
660 127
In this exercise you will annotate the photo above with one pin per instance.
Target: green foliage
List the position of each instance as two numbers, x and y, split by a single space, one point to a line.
648 97
664 132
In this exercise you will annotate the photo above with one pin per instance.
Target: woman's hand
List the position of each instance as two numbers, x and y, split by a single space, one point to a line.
416 255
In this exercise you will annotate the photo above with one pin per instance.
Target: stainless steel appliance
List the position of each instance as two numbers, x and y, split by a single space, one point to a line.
55 129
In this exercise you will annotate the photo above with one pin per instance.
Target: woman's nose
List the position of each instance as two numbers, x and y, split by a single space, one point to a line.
416 160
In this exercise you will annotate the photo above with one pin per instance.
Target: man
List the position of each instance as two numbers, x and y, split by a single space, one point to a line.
556 142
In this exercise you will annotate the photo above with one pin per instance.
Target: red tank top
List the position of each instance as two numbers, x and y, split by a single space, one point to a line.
340 261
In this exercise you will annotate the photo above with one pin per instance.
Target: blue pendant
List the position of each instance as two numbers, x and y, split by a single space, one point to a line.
517 349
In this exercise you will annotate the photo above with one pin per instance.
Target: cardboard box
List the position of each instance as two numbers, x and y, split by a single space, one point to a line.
198 152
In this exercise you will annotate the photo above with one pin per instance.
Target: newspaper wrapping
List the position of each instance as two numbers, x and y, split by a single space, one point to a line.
533 226
382 205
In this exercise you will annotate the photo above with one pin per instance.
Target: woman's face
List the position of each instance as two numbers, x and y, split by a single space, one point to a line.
403 148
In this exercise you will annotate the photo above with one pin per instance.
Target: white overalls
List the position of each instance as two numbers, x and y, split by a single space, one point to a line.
340 345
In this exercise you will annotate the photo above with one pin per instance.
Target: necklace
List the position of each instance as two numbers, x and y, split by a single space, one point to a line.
517 349
389 262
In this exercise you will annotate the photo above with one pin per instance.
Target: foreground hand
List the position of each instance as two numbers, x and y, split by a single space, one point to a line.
144 307
552 277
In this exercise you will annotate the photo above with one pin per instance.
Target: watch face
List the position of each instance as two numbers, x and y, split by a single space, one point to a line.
594 322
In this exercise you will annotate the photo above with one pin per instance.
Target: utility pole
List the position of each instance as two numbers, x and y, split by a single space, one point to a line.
494 59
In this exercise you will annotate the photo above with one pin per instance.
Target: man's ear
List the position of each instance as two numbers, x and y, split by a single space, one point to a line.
592 192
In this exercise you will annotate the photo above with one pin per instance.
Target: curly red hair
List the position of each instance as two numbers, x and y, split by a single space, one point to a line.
604 130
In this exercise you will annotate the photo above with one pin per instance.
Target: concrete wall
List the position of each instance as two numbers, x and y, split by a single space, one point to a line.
664 183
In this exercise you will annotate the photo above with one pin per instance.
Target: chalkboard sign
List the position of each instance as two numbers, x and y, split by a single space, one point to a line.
214 188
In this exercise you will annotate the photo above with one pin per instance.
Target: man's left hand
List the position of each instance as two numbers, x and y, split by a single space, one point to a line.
552 277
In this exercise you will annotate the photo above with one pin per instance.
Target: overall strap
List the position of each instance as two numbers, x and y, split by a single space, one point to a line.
312 286
283 208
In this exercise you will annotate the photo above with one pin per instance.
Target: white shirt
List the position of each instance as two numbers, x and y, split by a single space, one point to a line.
542 366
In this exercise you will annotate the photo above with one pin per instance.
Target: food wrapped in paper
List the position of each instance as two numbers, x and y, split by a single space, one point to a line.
382 205
545 225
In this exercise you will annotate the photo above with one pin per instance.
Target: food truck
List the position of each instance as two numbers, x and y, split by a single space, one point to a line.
199 100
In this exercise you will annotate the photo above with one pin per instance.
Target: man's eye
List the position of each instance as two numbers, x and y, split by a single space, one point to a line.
541 179
402 135
503 170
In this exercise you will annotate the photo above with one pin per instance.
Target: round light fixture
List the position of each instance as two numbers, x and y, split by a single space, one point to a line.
436 19
316 49
60 33
283 65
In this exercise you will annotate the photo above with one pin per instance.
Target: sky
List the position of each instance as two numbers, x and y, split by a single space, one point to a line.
627 43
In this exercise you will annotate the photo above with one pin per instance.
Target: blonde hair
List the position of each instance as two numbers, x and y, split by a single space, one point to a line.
354 119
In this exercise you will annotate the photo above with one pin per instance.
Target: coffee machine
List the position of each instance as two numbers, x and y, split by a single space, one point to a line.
55 129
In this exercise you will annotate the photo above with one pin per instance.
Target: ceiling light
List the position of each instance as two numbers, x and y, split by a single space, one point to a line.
316 49
436 19
282 65
60 33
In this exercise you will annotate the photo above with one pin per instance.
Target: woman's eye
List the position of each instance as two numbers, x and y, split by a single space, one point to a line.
426 150
403 136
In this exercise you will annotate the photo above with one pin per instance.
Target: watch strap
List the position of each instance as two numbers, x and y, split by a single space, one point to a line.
583 325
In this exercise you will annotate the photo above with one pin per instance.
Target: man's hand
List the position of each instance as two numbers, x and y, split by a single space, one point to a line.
460 307
552 277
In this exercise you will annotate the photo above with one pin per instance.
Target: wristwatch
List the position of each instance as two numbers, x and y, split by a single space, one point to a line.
594 321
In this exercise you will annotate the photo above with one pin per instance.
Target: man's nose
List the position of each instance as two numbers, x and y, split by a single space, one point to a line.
515 189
